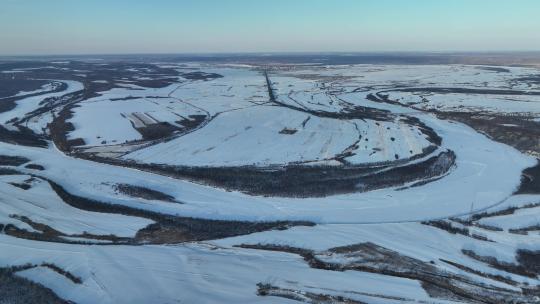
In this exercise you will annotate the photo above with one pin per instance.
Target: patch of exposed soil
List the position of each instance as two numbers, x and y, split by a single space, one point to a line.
35 167
23 137
6 160
530 180
494 69
157 130
144 193
201 76
529 259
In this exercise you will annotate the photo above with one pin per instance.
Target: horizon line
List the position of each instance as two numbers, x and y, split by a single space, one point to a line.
267 53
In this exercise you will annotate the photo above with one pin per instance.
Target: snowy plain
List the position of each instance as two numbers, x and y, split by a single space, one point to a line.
243 128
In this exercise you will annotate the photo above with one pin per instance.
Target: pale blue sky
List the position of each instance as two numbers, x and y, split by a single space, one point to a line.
179 26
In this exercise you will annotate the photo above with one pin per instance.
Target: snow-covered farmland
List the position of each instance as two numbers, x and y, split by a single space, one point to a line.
265 135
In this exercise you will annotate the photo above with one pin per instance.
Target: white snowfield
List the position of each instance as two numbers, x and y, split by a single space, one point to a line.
252 136
243 128
123 116
256 136
187 273
125 109
238 88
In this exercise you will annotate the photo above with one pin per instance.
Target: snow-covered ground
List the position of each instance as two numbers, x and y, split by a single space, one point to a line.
243 127
40 204
256 136
185 274
123 116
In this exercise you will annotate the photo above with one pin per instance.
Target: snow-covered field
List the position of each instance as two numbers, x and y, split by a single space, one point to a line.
256 136
123 116
389 245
